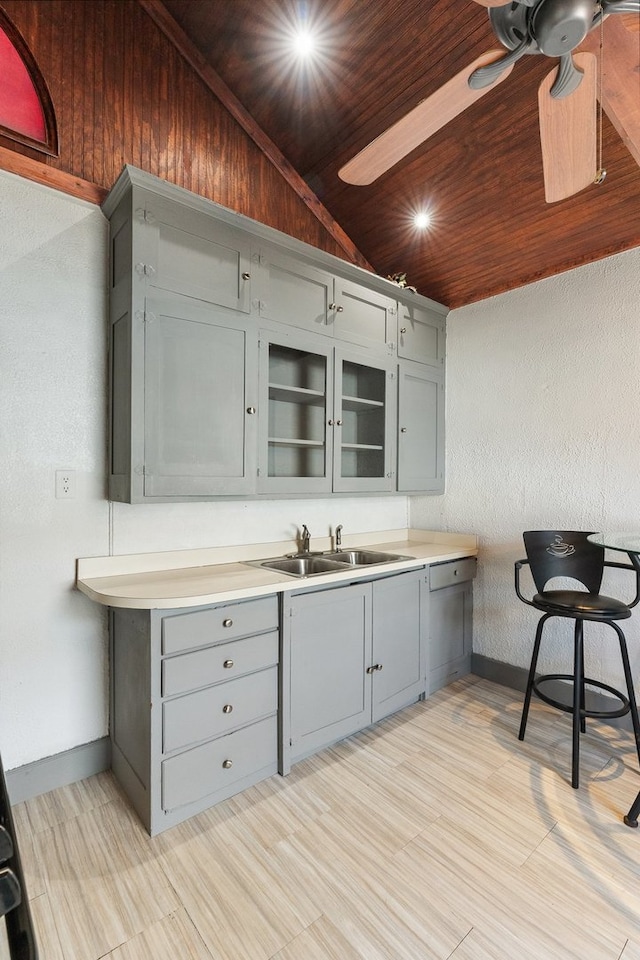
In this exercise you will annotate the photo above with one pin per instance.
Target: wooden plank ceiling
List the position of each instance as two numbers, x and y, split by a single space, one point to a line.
480 177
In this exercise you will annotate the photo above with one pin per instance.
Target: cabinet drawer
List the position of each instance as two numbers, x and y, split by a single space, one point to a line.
223 661
204 714
456 571
204 627
195 774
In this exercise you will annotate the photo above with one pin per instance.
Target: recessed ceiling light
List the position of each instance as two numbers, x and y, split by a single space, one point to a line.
421 221
304 42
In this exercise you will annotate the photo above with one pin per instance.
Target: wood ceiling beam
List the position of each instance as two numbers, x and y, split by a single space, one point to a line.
176 35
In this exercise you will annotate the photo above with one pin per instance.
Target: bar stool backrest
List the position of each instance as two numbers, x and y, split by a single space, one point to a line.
564 553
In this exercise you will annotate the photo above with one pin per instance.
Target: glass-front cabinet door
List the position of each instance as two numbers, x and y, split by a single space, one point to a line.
297 393
364 414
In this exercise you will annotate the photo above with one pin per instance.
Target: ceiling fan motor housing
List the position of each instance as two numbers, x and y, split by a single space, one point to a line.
553 27
559 26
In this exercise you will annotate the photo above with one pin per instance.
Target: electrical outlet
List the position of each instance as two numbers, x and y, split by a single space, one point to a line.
65 484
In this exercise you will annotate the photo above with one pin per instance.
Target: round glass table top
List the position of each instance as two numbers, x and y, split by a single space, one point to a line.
629 542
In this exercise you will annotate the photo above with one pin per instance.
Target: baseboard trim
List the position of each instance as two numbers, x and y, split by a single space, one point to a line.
59 770
508 675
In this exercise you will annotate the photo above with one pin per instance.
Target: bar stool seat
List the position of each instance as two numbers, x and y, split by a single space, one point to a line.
569 554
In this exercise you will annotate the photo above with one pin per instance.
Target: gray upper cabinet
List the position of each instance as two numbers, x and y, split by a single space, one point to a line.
184 251
296 400
244 363
421 334
290 290
184 395
327 418
363 423
200 386
363 316
420 428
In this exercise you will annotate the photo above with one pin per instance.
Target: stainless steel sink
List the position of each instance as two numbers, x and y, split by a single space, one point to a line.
359 558
312 565
302 566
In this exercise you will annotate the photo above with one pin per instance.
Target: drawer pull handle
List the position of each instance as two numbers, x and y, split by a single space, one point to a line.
227 708
376 666
227 623
246 276
227 664
227 764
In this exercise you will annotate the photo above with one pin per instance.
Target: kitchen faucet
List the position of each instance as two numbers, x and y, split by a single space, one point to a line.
339 537
306 539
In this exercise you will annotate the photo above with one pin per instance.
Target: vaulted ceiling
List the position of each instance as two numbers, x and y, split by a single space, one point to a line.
480 177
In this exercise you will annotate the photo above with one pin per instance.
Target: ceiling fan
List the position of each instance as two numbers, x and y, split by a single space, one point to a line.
566 97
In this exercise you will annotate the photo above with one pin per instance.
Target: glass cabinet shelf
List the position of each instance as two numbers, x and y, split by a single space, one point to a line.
362 446
360 403
278 391
294 442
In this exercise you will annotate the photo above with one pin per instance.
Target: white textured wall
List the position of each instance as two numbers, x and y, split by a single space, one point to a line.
543 409
53 334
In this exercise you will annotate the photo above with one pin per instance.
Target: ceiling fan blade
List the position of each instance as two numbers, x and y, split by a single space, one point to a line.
419 124
631 21
620 80
568 133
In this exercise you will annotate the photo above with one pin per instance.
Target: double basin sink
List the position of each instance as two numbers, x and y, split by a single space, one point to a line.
314 564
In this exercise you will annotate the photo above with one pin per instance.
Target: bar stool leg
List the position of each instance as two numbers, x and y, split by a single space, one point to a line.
578 696
532 676
583 702
631 818
633 707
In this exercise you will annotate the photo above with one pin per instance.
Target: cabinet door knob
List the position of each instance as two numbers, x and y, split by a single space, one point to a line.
251 409
246 276
227 623
403 429
227 664
227 708
403 329
331 422
338 423
336 307
227 764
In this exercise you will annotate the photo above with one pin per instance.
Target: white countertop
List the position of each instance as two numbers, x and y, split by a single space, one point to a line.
188 578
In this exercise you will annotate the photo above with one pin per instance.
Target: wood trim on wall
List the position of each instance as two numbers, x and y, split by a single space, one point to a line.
40 172
159 14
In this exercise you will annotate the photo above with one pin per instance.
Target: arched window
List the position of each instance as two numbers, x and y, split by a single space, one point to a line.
26 110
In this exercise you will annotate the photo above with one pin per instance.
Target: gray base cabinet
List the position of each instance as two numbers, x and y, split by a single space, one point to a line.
450 620
194 712
351 655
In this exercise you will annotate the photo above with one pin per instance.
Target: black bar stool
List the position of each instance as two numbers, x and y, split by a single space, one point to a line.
568 553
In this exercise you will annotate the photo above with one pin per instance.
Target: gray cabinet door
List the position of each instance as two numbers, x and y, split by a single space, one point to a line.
363 423
450 634
363 316
420 428
330 650
292 291
399 641
199 385
421 334
184 251
296 397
